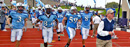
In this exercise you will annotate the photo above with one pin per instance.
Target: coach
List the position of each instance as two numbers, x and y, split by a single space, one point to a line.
105 30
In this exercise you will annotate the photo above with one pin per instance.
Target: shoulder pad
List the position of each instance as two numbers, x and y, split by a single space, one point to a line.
68 14
13 11
54 12
78 13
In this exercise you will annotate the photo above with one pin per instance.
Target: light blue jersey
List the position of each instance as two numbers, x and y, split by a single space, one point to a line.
86 20
18 19
60 16
32 14
37 13
72 20
25 11
48 22
41 13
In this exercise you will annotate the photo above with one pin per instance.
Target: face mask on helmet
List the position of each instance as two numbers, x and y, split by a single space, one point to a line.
20 8
87 9
39 9
33 10
74 11
48 10
60 11
43 10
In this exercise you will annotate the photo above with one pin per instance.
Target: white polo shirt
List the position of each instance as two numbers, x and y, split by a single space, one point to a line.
96 20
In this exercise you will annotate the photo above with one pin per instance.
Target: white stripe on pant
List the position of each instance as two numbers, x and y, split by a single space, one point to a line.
16 33
71 32
34 20
61 28
48 34
85 33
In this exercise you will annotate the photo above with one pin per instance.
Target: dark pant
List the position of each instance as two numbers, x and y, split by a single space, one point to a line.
3 25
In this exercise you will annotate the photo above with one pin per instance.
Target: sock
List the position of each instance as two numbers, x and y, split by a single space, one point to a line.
45 44
37 28
58 36
83 45
68 44
33 26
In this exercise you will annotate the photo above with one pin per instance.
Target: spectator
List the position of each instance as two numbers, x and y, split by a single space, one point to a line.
103 17
96 21
3 12
13 8
58 5
82 6
97 13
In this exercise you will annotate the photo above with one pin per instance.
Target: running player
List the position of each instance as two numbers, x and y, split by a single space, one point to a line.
37 14
47 19
19 17
32 16
85 26
60 15
72 19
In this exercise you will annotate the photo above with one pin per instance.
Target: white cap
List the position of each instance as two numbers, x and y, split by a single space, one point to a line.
110 11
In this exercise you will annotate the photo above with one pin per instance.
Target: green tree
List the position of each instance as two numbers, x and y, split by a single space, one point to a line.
112 5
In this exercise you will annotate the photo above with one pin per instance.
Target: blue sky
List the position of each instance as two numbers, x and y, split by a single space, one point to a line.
99 3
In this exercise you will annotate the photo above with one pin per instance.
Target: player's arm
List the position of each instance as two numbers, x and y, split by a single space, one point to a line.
38 20
25 22
80 21
91 20
8 22
35 15
57 23
29 16
6 11
63 21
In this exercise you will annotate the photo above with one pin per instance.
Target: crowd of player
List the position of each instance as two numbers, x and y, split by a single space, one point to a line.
45 18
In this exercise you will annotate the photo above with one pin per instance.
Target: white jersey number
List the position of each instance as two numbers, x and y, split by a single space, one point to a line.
60 16
19 20
45 23
86 18
73 19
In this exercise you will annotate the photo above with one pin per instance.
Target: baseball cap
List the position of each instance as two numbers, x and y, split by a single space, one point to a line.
110 11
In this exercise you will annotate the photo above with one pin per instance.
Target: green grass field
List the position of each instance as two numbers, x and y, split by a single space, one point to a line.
79 8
